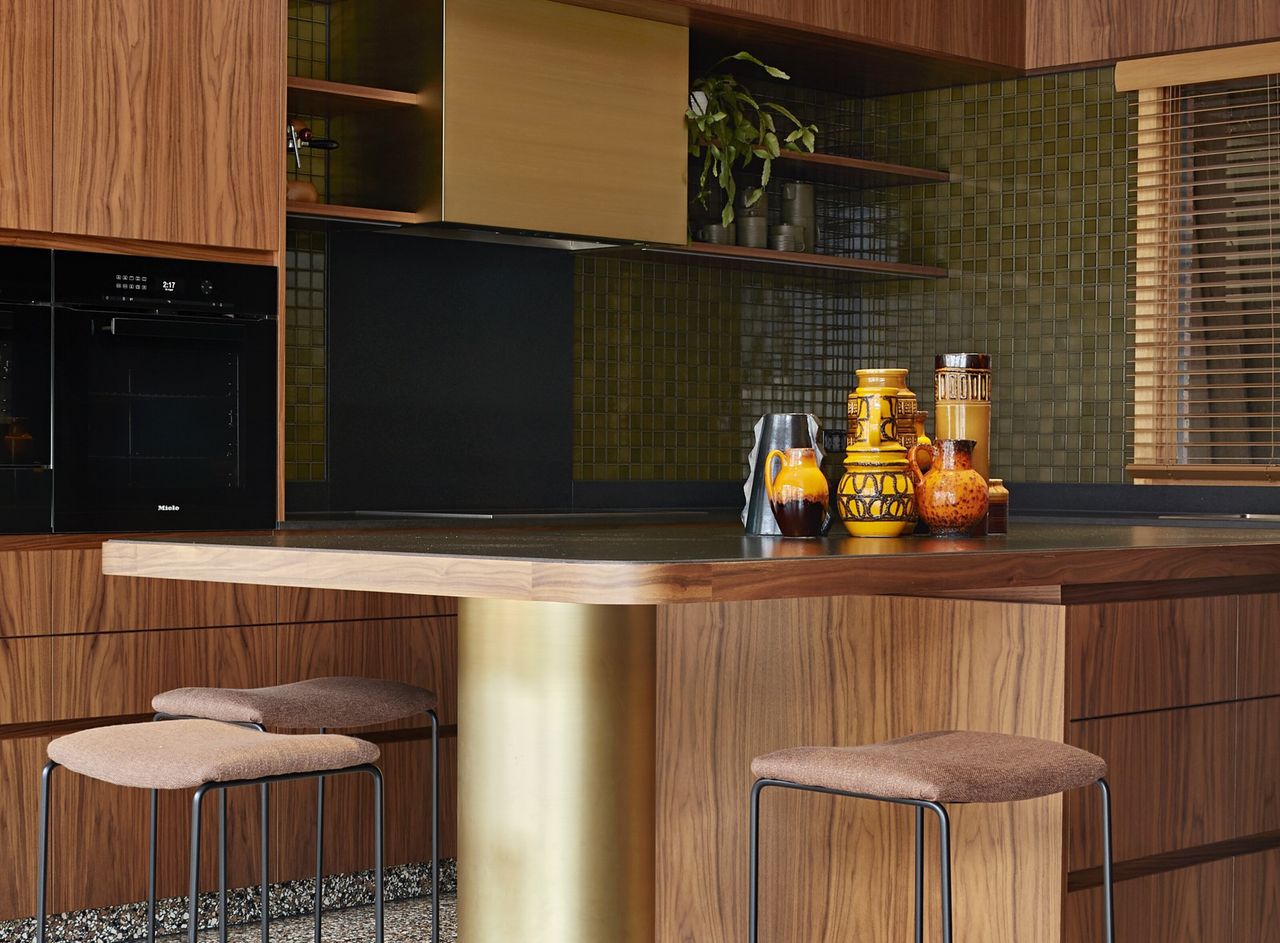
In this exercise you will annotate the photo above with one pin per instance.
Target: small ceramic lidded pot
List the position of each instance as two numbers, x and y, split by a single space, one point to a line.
798 492
952 497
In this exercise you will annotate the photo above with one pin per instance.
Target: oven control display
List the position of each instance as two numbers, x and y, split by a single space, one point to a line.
131 282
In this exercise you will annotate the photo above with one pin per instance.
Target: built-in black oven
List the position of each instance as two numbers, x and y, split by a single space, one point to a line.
26 480
164 394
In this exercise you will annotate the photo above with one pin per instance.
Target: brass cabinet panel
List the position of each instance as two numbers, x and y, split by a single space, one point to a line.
564 119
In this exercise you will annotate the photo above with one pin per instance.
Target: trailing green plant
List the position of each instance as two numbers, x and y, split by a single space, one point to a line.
729 129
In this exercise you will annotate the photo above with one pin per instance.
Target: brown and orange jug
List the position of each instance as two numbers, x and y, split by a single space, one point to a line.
952 498
797 492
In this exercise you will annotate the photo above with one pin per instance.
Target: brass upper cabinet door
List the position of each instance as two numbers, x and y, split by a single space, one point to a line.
167 120
26 97
563 119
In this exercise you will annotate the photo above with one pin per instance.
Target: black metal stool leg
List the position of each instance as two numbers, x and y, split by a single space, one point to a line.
753 877
378 891
435 827
42 867
919 874
265 931
193 899
222 866
944 861
151 867
319 852
1108 897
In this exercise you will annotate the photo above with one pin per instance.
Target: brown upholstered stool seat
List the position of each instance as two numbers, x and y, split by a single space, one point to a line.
184 754
942 766
319 702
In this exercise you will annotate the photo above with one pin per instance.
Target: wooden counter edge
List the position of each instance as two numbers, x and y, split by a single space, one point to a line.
1010 575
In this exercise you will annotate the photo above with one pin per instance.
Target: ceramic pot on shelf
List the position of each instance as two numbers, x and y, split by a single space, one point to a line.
797 492
952 498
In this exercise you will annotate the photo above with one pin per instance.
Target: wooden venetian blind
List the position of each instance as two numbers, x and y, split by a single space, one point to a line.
1206 266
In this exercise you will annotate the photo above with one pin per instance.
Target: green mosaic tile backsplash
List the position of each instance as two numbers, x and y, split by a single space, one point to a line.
675 362
1034 232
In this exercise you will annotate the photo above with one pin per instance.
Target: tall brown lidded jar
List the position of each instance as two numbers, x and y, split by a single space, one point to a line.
962 403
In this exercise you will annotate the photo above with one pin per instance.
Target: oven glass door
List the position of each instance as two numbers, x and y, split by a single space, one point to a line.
26 484
163 422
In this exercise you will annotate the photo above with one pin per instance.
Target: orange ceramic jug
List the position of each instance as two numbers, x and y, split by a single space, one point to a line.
952 497
797 492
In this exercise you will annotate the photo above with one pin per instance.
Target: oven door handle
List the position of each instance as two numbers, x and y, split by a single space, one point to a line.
175 329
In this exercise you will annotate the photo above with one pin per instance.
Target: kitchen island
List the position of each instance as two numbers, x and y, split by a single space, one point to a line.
614 684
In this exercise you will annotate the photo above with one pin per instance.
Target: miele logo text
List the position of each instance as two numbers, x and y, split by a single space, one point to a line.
168 507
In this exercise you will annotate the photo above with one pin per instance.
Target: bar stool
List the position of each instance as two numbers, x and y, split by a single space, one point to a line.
925 771
207 756
323 704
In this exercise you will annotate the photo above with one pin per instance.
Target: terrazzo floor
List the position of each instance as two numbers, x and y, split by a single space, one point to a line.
406 921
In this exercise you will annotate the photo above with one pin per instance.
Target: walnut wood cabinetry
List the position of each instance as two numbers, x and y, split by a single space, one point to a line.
26 97
167 120
1071 32
78 648
1179 695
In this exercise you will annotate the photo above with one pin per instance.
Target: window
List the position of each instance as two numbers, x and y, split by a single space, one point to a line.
1206 266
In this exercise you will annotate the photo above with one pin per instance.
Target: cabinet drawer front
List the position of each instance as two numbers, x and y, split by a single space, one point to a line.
1190 905
1259 645
85 600
1136 656
119 672
1173 778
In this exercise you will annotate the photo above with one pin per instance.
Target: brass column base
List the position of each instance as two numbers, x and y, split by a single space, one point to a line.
556 772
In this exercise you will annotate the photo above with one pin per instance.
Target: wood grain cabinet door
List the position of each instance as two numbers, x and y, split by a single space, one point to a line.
167 121
26 95
563 119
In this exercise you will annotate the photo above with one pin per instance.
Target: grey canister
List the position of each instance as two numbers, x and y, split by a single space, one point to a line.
787 237
780 431
799 208
753 231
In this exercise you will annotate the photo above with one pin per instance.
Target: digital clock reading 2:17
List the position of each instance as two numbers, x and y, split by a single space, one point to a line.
169 284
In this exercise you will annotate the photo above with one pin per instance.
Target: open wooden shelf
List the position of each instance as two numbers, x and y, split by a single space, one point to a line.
859 268
321 97
852 171
354 214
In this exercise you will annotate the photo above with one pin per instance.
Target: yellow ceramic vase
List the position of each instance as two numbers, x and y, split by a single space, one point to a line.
875 497
797 492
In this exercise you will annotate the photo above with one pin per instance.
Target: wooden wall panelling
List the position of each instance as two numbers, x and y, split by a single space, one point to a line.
1259 645
95 822
84 600
1135 656
416 651
1258 755
167 121
26 681
26 98
1173 776
1071 32
20 765
739 679
119 672
1190 905
26 592
338 605
985 30
1257 897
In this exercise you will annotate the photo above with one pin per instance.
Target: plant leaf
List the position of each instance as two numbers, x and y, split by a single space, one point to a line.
745 56
771 142
765 172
